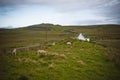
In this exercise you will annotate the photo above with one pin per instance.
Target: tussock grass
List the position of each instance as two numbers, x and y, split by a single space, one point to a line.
78 61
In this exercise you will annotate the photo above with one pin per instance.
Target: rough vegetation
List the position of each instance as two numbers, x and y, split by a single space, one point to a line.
96 60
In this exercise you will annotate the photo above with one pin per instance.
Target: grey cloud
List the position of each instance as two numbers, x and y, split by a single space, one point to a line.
61 4
74 5
11 3
5 10
110 9
112 12
90 22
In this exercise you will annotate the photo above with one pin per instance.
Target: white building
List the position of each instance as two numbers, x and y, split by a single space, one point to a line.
81 37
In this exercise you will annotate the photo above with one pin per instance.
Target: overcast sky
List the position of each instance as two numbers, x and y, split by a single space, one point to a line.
20 13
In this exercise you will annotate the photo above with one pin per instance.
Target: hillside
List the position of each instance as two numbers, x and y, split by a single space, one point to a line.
81 60
99 59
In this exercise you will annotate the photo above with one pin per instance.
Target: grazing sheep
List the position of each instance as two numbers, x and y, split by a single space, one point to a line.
53 43
41 52
14 51
68 43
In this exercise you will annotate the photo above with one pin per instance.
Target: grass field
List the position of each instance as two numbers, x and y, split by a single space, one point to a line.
95 60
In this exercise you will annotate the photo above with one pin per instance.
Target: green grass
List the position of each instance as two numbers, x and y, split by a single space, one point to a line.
81 60
95 60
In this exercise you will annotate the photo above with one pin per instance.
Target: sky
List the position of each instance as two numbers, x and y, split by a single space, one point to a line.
21 13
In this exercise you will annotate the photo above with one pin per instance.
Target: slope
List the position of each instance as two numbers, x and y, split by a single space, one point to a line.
78 61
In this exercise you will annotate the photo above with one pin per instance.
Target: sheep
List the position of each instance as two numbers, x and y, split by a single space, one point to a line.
41 52
53 43
14 51
68 43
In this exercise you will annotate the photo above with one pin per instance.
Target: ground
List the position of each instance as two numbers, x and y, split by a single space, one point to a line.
95 60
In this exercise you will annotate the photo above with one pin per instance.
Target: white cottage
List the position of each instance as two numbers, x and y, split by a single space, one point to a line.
81 37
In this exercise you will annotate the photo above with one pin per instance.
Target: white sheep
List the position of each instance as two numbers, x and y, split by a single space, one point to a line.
68 43
14 51
41 52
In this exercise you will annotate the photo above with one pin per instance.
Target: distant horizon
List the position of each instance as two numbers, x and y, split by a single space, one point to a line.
10 27
19 13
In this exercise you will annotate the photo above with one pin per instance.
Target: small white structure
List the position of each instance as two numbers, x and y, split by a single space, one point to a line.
81 37
88 39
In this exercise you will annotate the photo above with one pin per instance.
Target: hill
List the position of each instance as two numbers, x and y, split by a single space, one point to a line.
99 59
81 60
107 35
